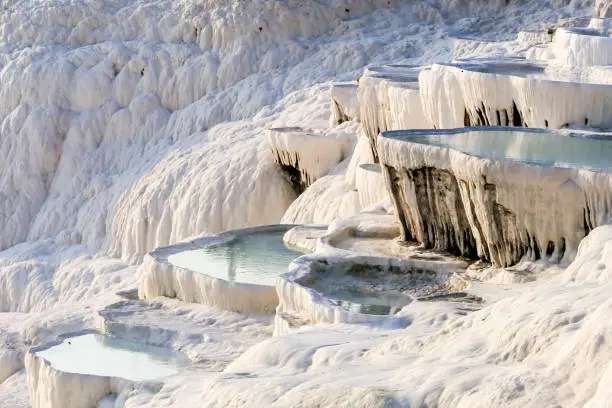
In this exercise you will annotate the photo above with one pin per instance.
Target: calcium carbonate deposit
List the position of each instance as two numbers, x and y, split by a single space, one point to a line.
474 272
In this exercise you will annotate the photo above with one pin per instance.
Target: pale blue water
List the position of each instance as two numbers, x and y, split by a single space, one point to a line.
503 67
257 258
374 303
541 148
95 354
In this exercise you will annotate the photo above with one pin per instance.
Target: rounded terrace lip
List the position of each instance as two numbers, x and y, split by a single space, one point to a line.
359 274
229 282
564 149
80 369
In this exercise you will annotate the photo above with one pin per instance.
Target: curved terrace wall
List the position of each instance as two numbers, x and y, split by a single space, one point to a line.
389 98
162 278
583 47
303 155
511 93
52 388
501 211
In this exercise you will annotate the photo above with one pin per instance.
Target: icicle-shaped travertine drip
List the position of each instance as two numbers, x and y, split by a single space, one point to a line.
603 8
498 210
511 94
370 185
344 103
51 388
531 38
389 99
305 156
583 46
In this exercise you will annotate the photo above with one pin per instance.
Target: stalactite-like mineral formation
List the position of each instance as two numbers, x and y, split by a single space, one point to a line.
498 194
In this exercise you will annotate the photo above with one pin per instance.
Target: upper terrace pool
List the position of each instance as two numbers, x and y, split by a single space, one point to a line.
544 148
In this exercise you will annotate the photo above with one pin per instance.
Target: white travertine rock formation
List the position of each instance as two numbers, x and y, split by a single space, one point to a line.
601 24
51 388
305 156
496 209
603 8
370 185
344 103
300 305
533 37
583 47
389 99
301 302
511 93
11 361
334 195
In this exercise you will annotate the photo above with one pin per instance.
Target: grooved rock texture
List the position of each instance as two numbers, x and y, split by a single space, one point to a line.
511 93
304 156
603 8
500 211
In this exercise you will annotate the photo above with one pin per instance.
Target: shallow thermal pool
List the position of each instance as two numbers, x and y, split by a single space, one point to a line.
257 258
95 354
533 147
374 303
378 290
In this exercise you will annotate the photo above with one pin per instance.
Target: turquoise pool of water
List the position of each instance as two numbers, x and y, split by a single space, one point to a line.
257 258
541 148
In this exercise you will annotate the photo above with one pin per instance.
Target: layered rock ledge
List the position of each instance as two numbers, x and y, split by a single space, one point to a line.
389 99
303 155
513 92
498 194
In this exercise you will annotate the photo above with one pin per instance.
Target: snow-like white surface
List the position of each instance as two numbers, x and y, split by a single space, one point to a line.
603 8
582 47
344 103
136 107
11 361
129 125
506 354
389 99
310 154
301 305
211 338
14 391
368 283
370 185
534 37
336 194
490 92
475 47
52 388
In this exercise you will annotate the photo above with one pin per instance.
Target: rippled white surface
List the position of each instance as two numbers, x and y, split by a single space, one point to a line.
94 354
257 258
